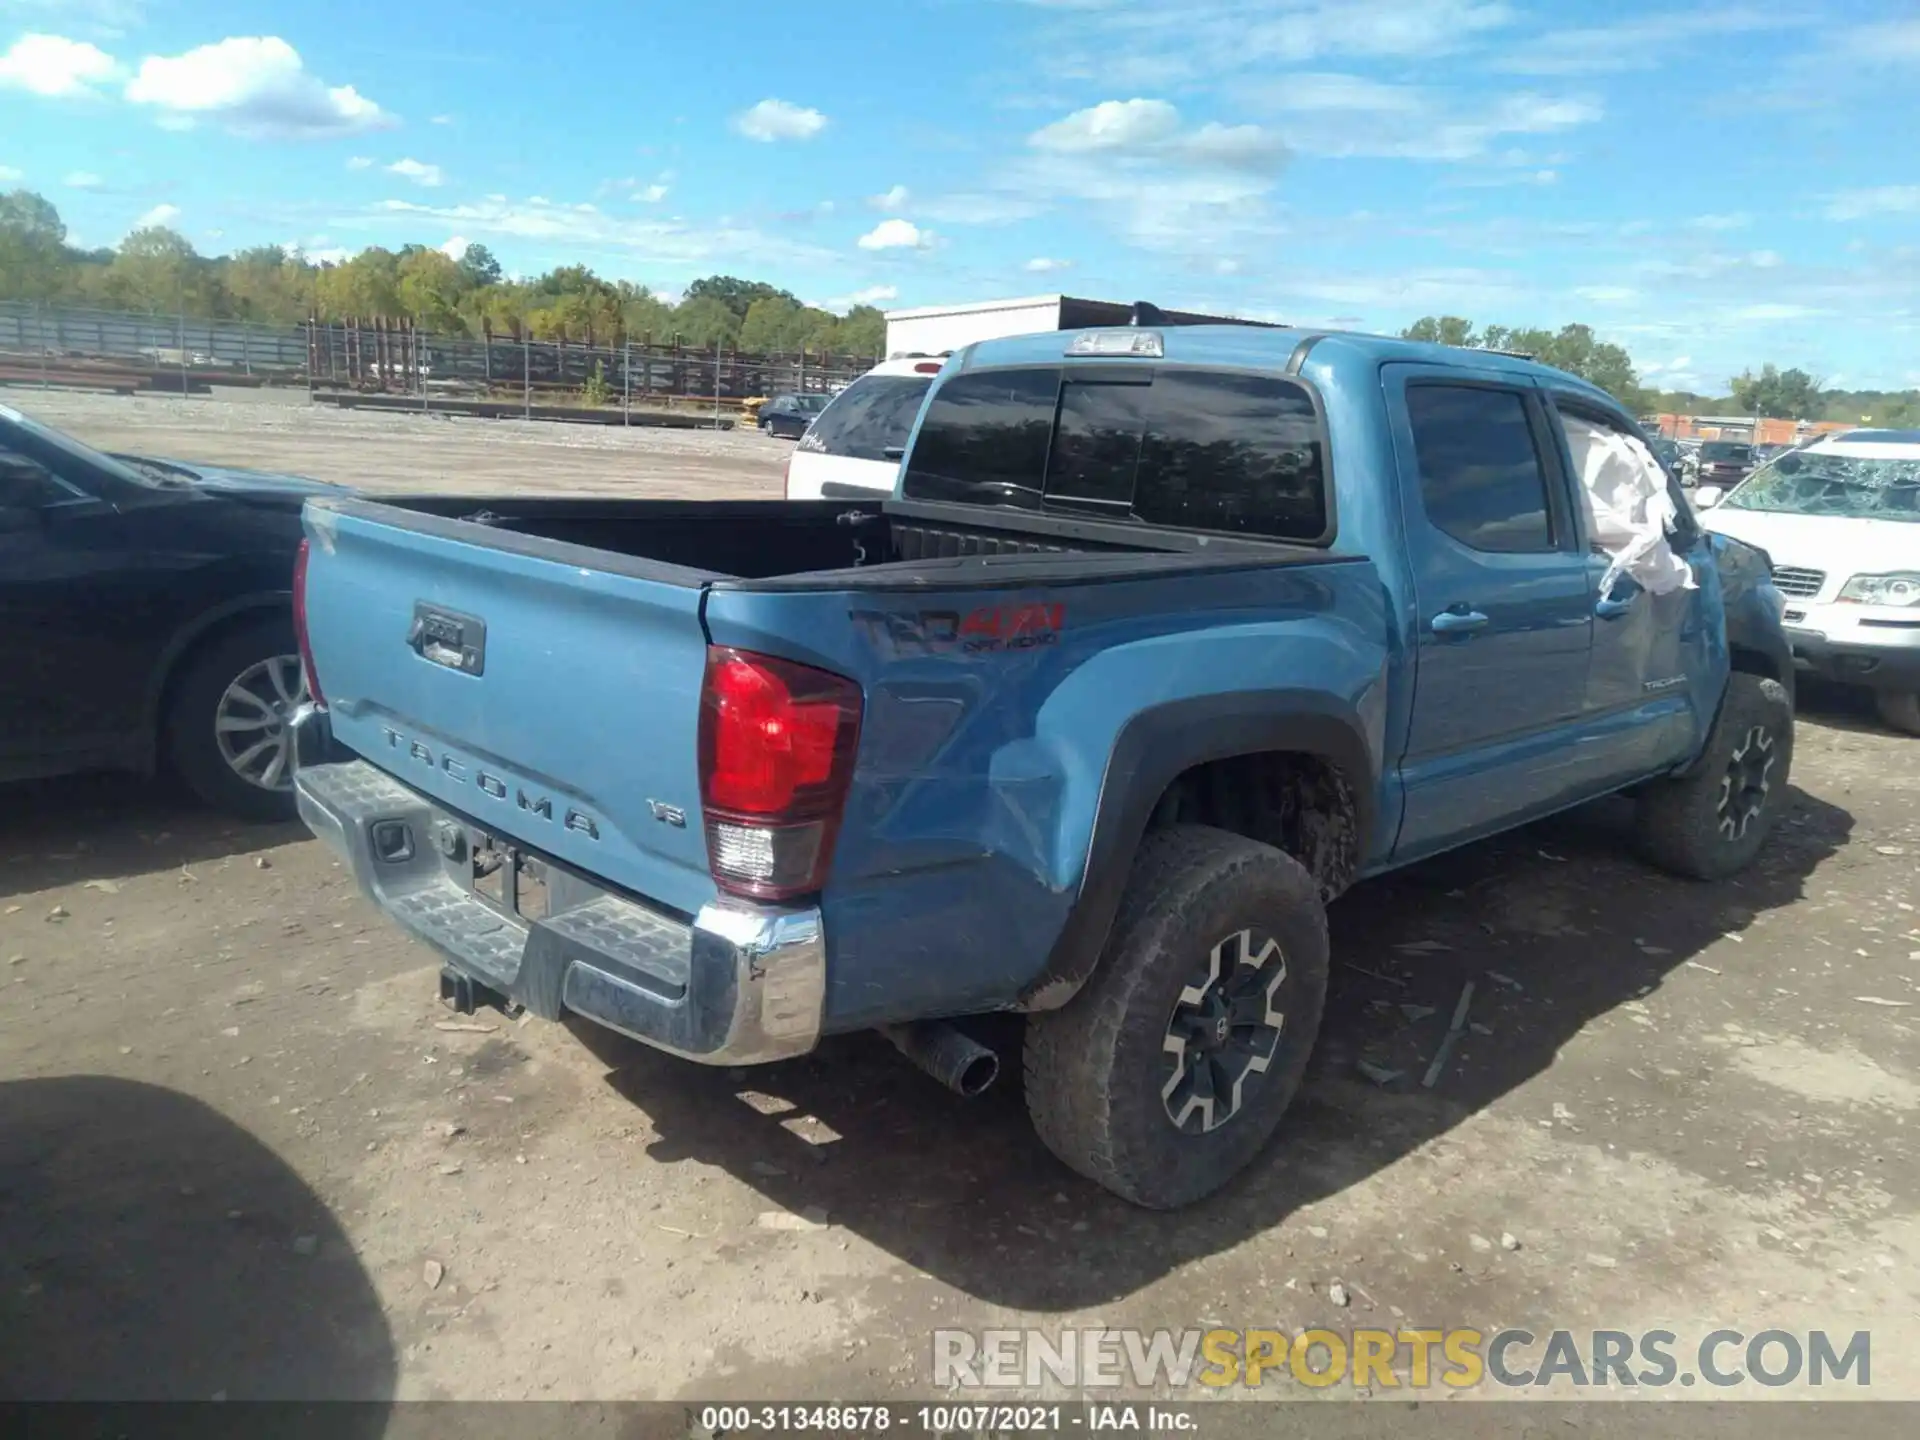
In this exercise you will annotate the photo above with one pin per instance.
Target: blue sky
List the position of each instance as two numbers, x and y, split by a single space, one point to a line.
1713 186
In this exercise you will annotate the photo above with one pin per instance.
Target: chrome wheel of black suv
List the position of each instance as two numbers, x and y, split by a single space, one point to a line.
1712 821
1166 1075
226 719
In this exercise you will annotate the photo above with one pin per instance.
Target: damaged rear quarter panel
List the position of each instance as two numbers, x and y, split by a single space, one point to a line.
989 721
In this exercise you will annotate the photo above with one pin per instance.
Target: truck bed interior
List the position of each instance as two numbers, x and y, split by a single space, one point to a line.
790 541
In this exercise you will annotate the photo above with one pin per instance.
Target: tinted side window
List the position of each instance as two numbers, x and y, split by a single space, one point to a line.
867 418
1235 452
1480 474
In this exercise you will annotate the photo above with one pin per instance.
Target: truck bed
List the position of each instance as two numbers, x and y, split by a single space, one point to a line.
815 544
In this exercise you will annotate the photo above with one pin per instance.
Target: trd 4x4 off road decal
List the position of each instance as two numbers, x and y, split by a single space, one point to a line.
988 630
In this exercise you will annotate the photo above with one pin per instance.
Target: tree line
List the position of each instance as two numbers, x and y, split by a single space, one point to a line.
157 269
1792 394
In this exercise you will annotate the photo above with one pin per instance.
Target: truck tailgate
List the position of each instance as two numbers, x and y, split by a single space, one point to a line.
553 704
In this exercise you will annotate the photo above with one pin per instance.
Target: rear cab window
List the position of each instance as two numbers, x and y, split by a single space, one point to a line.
1177 448
871 416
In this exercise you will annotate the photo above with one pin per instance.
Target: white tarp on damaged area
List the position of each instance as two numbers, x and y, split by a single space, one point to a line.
1629 505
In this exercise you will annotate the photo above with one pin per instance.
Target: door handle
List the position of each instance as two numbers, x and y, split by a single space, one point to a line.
1458 622
1608 608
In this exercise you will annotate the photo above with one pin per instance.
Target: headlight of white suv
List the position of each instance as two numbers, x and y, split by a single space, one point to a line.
1898 589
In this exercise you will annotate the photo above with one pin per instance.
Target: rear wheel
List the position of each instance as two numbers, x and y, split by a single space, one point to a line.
1711 823
1166 1075
226 724
1899 711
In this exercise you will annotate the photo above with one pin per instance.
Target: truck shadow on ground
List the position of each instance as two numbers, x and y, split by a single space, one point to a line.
105 827
150 1249
1555 925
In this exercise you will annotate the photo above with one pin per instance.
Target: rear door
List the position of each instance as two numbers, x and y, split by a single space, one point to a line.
1505 607
554 704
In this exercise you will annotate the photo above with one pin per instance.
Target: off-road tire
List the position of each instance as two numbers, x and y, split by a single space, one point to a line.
1678 826
1095 1069
1899 710
193 700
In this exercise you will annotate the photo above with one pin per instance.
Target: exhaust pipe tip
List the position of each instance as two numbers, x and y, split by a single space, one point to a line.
956 1060
978 1074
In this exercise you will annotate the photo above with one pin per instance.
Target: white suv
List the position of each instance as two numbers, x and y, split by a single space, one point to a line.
1841 519
854 445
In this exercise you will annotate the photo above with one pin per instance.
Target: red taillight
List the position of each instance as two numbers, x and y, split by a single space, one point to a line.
300 624
777 743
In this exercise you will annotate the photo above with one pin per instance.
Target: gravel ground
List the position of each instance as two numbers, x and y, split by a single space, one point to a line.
273 430
243 1151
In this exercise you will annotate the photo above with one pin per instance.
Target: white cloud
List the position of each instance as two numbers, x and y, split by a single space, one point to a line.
455 247
896 235
584 234
646 192
1665 367
872 295
1893 41
1148 43
1424 125
55 67
980 208
255 86
418 171
158 215
1881 200
1110 125
8 174
441 120
1643 43
360 162
1774 311
1315 92
1042 265
1457 290
1765 260
772 120
82 180
108 19
895 198
1607 294
1197 192
1736 221
1152 128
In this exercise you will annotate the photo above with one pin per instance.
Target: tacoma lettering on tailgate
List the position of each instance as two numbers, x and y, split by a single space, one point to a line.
466 772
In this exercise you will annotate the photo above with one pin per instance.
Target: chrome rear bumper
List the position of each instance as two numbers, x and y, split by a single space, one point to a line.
740 985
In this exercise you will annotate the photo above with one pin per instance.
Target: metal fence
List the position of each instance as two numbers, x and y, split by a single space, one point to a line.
394 357
365 359
62 333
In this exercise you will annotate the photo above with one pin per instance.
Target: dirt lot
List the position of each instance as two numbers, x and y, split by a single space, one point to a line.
244 1152
269 430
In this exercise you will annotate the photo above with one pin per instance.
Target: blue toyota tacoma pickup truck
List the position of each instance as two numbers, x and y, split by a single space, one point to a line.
1166 637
